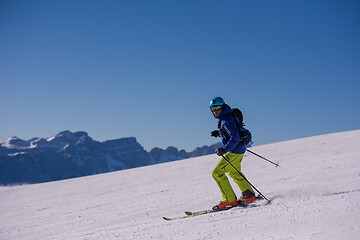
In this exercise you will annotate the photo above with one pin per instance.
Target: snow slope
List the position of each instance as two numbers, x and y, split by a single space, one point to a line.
315 193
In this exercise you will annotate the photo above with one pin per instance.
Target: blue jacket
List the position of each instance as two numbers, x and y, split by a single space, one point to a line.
229 132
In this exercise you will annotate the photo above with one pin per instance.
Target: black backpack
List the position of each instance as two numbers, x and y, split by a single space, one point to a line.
245 135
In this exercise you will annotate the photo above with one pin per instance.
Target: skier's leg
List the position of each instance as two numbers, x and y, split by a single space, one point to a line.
246 189
228 194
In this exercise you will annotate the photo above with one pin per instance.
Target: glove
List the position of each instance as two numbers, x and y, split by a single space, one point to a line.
220 151
215 133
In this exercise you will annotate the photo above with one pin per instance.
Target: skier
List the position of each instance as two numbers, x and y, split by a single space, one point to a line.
233 151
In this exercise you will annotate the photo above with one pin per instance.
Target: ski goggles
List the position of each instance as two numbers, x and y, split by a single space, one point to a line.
216 108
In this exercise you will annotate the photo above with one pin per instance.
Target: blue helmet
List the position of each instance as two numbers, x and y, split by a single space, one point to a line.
217 101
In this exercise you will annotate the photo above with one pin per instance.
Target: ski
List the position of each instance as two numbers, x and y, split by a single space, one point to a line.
202 212
189 215
241 204
193 214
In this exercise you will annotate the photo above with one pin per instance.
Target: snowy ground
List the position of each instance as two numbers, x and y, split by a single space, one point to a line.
315 193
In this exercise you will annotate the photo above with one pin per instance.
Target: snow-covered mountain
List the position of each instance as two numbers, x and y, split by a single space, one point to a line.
315 195
69 155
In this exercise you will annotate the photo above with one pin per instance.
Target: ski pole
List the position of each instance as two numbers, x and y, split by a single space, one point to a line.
276 164
242 175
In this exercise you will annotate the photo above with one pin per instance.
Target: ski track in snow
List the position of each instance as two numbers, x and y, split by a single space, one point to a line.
315 195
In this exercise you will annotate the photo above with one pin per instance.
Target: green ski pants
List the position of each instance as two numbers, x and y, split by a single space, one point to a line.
222 167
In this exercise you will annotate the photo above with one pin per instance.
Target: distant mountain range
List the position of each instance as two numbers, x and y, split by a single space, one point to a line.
69 155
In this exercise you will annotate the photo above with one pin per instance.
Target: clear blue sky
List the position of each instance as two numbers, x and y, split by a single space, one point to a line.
149 69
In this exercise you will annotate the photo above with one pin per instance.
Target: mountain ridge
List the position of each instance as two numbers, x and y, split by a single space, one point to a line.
75 154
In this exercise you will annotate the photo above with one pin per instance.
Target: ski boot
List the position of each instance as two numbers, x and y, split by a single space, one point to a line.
248 197
225 205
